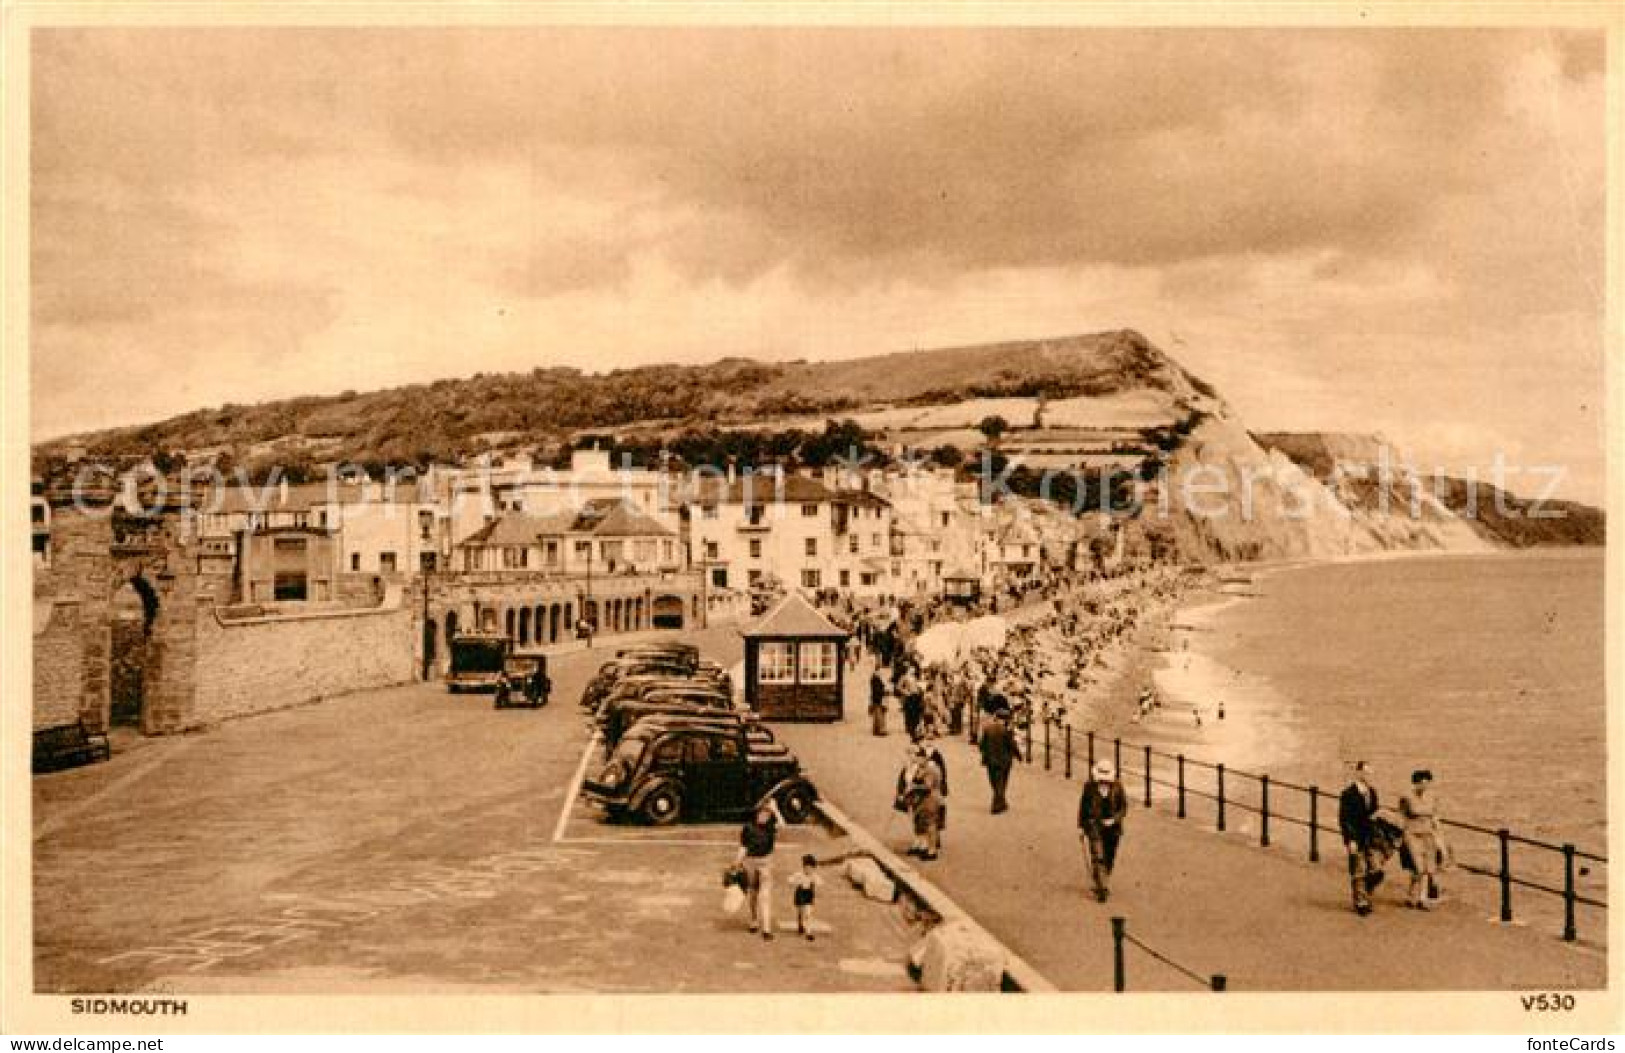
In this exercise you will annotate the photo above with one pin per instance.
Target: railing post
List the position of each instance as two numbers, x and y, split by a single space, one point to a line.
1264 811
1569 932
1314 824
1119 979
1220 982
1220 769
1505 838
1067 734
1046 746
1117 756
1181 760
1091 751
1148 776
1029 736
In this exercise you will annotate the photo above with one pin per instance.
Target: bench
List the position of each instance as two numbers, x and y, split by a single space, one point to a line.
68 746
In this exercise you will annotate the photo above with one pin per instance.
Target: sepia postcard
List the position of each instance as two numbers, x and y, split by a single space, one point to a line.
811 519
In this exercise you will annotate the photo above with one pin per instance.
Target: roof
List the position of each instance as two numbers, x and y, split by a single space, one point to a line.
605 517
794 616
612 517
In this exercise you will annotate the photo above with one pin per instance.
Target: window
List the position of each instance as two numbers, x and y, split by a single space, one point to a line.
425 524
426 561
708 511
867 577
846 579
809 511
666 551
812 546
643 551
818 663
355 561
614 551
584 550
874 540
724 750
755 548
386 562
711 550
776 663
719 577
811 579
754 577
945 519
550 553
515 557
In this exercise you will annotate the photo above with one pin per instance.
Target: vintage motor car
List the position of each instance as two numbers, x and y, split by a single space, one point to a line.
621 714
524 682
476 661
604 682
664 772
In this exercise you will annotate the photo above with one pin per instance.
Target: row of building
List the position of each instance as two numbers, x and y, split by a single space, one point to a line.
865 534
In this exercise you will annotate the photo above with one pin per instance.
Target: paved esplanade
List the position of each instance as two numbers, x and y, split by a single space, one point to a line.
1216 903
409 840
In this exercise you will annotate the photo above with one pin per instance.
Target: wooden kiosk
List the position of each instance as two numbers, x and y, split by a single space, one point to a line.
795 664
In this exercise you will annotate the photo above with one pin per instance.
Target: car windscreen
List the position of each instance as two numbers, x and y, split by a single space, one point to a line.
476 658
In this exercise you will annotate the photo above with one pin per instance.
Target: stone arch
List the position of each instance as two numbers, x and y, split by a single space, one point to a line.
524 626
553 613
133 672
569 617
451 626
488 620
508 621
540 623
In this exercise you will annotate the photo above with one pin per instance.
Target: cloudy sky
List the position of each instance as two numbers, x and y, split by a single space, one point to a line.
1398 231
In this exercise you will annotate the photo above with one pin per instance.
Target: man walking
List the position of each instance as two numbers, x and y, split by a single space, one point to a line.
1101 810
999 752
1356 818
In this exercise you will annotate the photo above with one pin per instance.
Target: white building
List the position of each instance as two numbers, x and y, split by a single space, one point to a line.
746 530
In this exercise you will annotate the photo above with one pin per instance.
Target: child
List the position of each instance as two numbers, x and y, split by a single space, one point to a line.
805 882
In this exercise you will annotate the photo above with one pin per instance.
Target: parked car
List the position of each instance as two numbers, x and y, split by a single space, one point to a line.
476 661
623 713
524 682
710 770
613 672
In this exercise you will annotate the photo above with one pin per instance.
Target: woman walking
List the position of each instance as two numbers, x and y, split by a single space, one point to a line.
919 788
756 843
1424 839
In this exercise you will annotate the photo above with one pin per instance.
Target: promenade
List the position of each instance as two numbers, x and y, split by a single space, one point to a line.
1267 918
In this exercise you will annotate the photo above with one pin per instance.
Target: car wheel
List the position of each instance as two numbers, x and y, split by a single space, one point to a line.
796 804
663 806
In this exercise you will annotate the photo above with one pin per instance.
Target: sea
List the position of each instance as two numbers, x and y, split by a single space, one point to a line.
1486 670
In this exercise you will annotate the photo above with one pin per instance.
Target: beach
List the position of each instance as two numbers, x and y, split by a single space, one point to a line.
1487 670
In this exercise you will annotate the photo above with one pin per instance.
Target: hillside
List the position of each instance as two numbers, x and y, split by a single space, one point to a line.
453 419
1108 406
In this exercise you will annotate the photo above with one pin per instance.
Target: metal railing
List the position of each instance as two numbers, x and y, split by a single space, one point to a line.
1554 870
1120 941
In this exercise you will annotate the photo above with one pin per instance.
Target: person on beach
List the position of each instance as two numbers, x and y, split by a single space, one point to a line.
1356 819
999 754
1101 810
1424 838
756 842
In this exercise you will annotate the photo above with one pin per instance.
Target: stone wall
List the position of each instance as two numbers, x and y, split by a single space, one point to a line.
58 664
261 664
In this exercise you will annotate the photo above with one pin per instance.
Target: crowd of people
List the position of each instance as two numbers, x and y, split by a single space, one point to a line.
1060 633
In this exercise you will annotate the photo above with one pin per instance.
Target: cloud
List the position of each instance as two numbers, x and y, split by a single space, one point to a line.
379 206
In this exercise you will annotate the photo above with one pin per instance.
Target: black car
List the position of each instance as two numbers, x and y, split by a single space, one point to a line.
666 772
622 713
524 682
